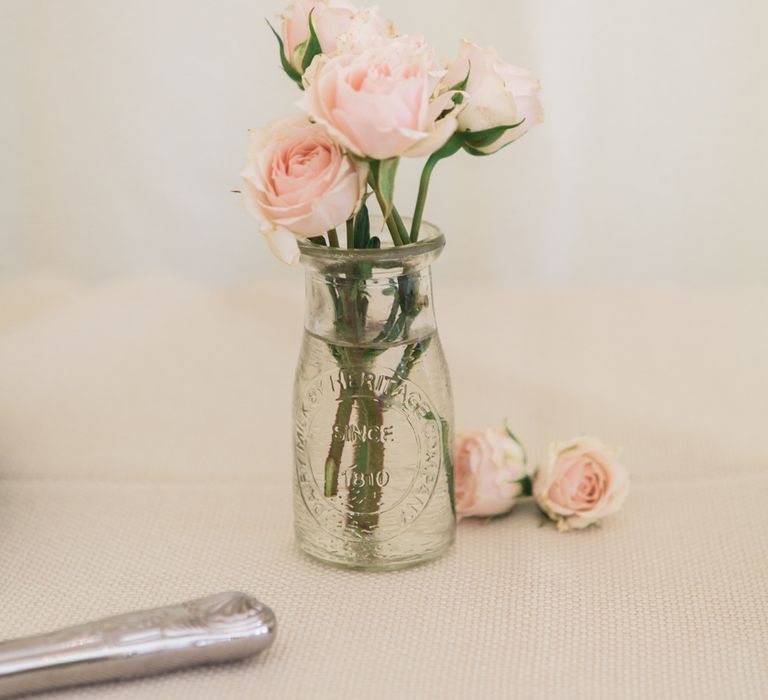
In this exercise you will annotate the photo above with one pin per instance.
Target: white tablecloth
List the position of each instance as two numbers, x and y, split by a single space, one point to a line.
146 456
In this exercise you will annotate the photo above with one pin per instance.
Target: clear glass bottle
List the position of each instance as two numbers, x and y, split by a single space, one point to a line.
373 411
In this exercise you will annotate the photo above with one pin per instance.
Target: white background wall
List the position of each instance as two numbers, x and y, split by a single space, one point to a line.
122 132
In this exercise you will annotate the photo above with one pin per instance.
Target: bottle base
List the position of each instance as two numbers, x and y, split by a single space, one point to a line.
365 558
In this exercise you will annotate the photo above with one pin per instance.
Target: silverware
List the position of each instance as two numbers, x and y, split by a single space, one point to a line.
222 627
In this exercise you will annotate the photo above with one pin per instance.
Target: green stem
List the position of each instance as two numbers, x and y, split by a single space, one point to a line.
449 148
365 497
350 233
389 323
333 238
400 225
333 461
394 231
421 201
410 356
350 310
448 461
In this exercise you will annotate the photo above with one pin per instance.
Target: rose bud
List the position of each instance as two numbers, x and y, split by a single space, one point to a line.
332 20
497 95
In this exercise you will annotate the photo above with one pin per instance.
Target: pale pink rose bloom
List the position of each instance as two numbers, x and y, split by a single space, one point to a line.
332 20
299 182
498 94
381 102
488 468
580 483
366 29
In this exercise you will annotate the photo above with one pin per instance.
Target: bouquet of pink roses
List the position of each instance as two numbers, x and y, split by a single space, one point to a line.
371 97
373 445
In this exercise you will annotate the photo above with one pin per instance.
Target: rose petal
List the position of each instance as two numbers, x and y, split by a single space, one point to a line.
283 245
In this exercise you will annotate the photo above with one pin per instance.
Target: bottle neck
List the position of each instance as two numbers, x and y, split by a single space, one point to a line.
365 306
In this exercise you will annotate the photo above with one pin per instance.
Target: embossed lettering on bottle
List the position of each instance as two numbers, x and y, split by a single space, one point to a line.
410 426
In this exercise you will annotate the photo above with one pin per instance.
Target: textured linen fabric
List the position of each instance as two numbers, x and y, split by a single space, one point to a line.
146 460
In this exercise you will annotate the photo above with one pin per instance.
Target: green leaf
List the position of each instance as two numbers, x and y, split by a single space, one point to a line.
483 154
292 73
487 137
458 98
474 140
318 240
299 51
384 172
514 437
451 146
462 84
362 228
479 154
527 485
313 46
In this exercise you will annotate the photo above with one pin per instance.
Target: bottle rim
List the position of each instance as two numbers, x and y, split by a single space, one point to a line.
431 241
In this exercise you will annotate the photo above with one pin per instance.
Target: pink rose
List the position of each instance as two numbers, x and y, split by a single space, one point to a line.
498 94
332 20
581 483
299 182
380 103
490 473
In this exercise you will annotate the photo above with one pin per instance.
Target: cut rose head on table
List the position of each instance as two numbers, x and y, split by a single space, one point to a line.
491 472
580 482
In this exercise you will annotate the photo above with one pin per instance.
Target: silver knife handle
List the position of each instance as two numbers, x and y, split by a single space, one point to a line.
222 627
